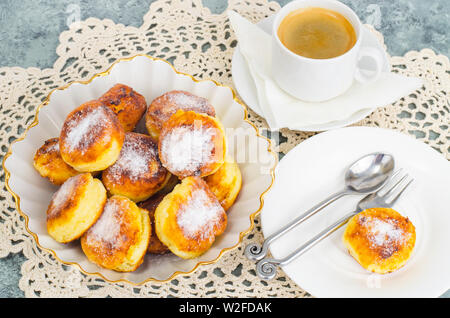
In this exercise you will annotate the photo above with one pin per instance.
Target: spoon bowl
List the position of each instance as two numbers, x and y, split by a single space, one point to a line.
369 173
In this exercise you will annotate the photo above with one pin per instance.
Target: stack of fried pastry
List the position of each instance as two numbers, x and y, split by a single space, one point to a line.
124 193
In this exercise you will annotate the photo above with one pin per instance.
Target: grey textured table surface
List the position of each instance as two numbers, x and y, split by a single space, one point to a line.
29 31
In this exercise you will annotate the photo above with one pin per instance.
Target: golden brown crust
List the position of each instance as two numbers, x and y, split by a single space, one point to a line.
164 106
50 165
126 103
138 172
155 246
192 144
113 240
189 218
91 137
380 239
226 182
75 207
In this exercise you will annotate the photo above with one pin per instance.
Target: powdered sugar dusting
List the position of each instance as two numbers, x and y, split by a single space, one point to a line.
187 148
54 146
134 160
80 132
187 101
384 233
63 195
199 215
107 227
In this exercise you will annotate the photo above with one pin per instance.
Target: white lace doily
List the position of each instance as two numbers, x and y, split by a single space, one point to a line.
199 43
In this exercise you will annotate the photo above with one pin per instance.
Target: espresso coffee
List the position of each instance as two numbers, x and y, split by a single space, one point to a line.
316 33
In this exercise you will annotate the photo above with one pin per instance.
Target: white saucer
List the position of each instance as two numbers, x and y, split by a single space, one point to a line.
246 88
315 169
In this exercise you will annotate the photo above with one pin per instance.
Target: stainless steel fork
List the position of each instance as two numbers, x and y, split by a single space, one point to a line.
383 198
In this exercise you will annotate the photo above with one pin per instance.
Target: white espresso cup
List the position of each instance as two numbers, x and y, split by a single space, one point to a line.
317 80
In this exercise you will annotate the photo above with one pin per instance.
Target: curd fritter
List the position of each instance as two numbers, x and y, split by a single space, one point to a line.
138 172
380 239
126 103
155 246
48 162
164 106
120 237
189 219
192 144
75 207
226 182
91 137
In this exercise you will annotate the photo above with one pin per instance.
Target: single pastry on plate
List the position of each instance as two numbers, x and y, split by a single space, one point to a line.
189 219
91 137
226 182
126 103
75 207
380 239
164 106
192 144
138 172
120 237
155 246
50 165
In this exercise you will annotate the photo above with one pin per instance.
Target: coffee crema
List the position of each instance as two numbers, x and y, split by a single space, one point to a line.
316 33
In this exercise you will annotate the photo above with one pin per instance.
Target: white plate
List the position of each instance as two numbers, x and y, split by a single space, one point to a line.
315 169
150 77
245 86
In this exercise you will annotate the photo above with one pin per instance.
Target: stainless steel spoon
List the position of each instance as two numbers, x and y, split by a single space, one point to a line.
364 176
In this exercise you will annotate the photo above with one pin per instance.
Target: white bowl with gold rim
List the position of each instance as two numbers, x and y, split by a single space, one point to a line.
150 77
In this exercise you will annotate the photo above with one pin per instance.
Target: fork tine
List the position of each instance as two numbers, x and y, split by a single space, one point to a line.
392 201
396 173
385 186
393 187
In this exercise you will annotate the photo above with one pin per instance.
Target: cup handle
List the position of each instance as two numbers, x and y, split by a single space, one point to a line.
377 58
